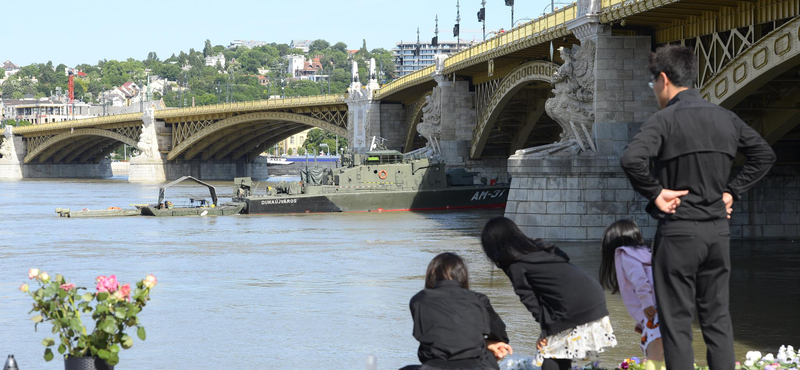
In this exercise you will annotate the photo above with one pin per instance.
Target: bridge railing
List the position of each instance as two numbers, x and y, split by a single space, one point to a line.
533 28
78 123
410 79
298 101
524 31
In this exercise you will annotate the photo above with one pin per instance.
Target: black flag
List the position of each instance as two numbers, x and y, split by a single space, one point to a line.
509 2
481 15
456 30
435 41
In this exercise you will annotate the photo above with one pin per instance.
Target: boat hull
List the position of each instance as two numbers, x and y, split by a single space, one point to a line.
381 201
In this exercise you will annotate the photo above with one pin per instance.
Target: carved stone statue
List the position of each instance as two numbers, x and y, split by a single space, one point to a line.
439 60
431 125
573 104
588 7
7 150
148 140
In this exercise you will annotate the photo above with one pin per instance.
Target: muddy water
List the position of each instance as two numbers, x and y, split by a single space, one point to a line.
312 291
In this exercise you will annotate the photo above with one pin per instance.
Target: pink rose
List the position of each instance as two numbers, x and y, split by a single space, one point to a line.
126 291
33 273
624 365
101 284
107 284
118 295
24 288
68 286
150 281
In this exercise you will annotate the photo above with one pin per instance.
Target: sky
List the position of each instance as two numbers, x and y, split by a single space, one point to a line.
85 31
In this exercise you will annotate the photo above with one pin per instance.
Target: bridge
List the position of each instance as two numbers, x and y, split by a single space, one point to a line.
555 121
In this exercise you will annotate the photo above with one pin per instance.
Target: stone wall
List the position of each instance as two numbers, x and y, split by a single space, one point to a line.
82 171
393 125
576 197
458 120
621 76
770 209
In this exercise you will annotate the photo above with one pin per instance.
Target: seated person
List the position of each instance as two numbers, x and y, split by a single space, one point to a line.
456 327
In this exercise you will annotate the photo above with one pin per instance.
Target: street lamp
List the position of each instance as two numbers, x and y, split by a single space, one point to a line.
520 20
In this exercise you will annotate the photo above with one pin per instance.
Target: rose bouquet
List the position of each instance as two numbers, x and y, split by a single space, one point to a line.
112 308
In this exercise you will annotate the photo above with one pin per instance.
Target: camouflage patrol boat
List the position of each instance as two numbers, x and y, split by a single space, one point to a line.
377 181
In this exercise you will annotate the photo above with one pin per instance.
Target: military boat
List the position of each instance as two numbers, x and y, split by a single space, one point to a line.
376 181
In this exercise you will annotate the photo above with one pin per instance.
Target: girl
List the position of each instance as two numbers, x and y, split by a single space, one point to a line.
569 304
450 321
627 269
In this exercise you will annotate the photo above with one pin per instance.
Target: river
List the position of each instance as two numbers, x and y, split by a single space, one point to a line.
315 291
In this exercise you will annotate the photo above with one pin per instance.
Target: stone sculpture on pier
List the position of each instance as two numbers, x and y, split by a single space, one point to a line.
573 104
431 125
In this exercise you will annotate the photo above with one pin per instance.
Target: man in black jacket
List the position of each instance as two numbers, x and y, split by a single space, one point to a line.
694 144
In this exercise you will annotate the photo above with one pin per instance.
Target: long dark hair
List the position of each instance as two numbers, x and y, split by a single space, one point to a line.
447 266
503 242
623 233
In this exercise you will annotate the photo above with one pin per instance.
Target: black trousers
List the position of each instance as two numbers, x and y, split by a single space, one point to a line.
691 269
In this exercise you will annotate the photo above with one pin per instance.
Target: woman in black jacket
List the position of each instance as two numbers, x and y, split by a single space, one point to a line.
456 327
569 304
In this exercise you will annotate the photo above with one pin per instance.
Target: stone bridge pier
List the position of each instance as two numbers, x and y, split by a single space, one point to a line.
444 116
153 164
573 189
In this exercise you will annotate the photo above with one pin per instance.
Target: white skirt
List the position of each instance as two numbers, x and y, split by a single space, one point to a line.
581 342
650 332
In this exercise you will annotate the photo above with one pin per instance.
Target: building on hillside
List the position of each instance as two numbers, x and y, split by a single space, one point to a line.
300 44
293 142
302 69
407 60
263 80
246 43
46 110
212 60
10 68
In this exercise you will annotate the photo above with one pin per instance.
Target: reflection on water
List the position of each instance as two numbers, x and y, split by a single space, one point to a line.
316 291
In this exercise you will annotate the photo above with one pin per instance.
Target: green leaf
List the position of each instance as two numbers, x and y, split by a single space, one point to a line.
109 325
48 354
101 308
75 324
47 342
113 359
127 341
141 333
62 348
114 349
87 297
120 313
104 354
37 318
102 296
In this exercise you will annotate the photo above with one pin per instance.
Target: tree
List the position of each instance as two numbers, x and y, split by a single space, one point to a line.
340 46
207 49
289 152
364 47
317 136
318 45
301 151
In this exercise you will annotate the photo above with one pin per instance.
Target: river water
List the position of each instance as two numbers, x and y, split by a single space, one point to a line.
317 291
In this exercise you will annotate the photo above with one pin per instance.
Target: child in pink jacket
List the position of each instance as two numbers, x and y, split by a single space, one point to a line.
627 269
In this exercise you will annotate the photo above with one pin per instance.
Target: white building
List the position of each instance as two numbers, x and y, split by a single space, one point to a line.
300 44
10 68
44 110
295 63
406 60
246 43
212 60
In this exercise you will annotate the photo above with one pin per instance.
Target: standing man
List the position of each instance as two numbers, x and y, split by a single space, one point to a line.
694 144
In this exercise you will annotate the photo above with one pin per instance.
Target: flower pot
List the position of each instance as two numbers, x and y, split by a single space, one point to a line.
86 363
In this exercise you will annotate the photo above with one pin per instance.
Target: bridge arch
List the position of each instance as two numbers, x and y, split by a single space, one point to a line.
263 129
413 118
535 71
766 59
60 146
763 62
